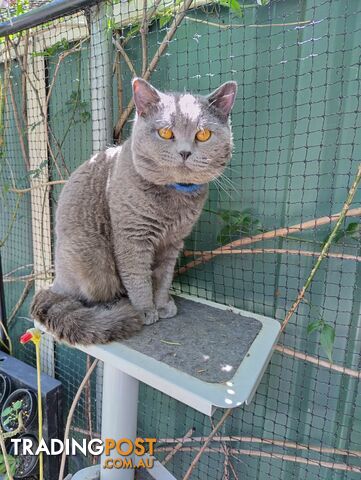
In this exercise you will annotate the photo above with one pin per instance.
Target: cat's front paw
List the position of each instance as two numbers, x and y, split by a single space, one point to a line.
169 310
151 317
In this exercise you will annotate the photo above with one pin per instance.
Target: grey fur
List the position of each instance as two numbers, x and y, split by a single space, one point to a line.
120 227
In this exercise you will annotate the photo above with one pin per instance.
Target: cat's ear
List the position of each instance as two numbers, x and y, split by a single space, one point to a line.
223 98
146 97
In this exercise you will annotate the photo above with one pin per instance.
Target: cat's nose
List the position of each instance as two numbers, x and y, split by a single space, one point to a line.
184 154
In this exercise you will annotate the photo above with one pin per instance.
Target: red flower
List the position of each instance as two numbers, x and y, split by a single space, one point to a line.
26 337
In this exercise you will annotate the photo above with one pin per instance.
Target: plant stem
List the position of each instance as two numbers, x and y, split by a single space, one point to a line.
40 409
325 249
71 413
6 461
3 436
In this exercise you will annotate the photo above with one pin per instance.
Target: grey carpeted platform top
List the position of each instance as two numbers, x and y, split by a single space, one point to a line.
203 341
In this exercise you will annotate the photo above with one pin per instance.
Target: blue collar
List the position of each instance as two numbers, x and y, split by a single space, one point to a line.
186 187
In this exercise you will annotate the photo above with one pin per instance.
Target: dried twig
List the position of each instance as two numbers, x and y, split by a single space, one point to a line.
71 413
18 127
37 185
19 429
253 251
12 222
88 405
317 361
21 300
44 275
206 443
325 249
267 441
279 232
62 56
144 37
178 446
43 111
5 457
124 54
277 456
119 78
162 47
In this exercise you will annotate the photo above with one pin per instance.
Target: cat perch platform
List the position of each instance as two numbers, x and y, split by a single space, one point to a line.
208 356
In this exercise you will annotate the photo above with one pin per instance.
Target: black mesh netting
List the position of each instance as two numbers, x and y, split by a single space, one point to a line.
297 134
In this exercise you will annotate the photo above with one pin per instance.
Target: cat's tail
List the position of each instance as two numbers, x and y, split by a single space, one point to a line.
68 319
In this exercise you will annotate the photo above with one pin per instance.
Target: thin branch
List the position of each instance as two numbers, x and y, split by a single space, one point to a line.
125 56
276 456
22 267
144 38
12 222
88 404
19 429
20 302
37 185
23 80
279 232
5 456
61 58
119 81
178 446
267 441
162 47
18 127
71 413
45 275
317 361
43 112
325 249
306 253
206 443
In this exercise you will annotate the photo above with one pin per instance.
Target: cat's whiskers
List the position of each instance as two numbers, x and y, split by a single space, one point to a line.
217 182
228 181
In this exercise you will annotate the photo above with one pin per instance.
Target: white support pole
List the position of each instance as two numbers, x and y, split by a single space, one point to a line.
119 415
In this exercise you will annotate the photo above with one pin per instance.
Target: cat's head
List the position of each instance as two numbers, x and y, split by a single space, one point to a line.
181 138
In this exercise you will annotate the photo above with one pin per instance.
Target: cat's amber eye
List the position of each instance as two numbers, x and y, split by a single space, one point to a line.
166 133
203 135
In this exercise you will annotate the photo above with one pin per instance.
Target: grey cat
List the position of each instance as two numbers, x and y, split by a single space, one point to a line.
123 215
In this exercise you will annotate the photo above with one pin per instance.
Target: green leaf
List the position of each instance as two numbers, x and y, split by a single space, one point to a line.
11 461
165 19
233 5
7 412
354 230
315 326
263 3
17 405
327 340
